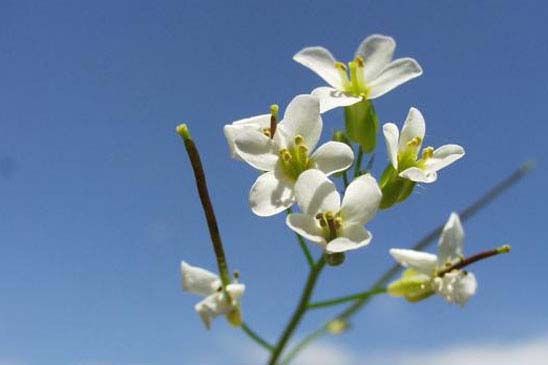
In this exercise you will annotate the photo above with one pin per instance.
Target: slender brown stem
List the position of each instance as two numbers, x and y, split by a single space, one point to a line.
477 257
201 185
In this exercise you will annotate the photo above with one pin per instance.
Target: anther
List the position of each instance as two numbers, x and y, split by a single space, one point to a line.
427 153
299 140
359 61
415 141
266 132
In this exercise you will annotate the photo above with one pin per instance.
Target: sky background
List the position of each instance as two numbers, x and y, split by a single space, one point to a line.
98 204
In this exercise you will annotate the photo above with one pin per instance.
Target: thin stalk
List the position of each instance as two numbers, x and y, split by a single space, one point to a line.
475 258
358 165
347 298
345 179
303 245
465 214
255 337
201 185
299 311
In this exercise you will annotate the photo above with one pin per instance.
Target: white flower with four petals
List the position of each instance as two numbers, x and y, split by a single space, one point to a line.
335 226
372 73
216 302
284 155
456 286
403 150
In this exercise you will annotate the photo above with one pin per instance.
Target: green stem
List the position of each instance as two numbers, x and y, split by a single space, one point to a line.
201 185
255 337
358 165
465 214
347 298
345 179
299 311
303 245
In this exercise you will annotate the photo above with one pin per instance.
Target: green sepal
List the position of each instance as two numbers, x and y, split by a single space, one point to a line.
412 285
335 259
362 124
395 189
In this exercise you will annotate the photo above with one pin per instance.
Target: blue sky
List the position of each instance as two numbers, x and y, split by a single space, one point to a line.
98 201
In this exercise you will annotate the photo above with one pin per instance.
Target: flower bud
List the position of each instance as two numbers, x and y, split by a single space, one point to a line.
335 259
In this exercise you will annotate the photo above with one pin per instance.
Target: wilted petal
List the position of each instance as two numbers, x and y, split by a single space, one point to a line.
235 290
256 149
209 308
322 62
456 287
418 175
451 243
377 51
444 156
255 123
271 194
422 262
414 126
315 193
199 281
391 136
354 237
393 75
331 98
333 157
361 200
306 226
302 117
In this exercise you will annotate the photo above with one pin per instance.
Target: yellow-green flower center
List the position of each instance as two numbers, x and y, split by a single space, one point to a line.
356 83
331 224
295 159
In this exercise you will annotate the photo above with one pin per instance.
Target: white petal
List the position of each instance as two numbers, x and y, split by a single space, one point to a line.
322 62
271 194
393 75
209 308
199 281
422 262
353 237
306 226
465 287
361 200
414 126
315 193
391 136
257 149
333 157
444 156
451 243
331 98
418 175
377 51
235 290
255 123
456 287
302 117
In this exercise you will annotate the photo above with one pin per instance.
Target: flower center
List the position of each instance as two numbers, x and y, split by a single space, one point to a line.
356 84
408 156
427 154
295 159
331 224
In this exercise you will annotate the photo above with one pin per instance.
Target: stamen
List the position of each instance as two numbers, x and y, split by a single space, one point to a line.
266 132
331 224
285 155
416 141
299 140
342 74
274 108
427 153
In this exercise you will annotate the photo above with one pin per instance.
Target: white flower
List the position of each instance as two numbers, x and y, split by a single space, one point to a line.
403 150
258 123
372 73
335 226
284 155
216 302
456 286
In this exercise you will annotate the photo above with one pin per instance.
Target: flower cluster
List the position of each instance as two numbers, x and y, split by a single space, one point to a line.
336 196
